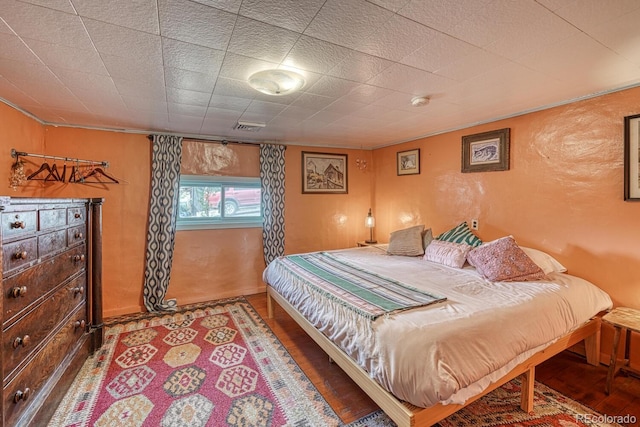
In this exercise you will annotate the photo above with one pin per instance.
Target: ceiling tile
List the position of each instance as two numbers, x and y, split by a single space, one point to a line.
262 41
332 87
440 51
240 67
397 38
478 62
61 56
130 44
310 100
189 97
78 80
392 5
142 90
229 103
360 67
188 56
52 26
15 50
410 80
294 15
192 23
133 69
61 5
348 24
232 6
141 15
315 55
588 14
615 36
190 80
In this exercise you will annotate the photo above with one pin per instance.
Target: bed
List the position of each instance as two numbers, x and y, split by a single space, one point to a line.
466 337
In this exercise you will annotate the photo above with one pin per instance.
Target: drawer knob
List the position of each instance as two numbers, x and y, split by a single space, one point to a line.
77 215
78 258
21 255
21 341
78 235
18 224
22 395
79 324
78 290
18 292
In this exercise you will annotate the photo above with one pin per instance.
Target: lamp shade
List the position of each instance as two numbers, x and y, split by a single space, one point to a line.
369 221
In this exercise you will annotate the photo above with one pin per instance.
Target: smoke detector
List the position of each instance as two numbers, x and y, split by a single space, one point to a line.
419 101
248 126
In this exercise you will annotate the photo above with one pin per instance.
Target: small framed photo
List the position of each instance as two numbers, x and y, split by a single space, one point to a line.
632 158
487 151
324 173
409 162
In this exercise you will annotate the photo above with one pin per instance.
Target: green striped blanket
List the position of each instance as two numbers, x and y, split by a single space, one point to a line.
366 293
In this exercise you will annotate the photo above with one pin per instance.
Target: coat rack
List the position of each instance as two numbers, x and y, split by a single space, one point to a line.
15 154
95 170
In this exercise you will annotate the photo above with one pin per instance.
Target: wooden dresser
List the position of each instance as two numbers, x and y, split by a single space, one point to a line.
52 303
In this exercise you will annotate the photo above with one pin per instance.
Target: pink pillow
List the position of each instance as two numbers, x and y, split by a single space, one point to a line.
502 260
447 253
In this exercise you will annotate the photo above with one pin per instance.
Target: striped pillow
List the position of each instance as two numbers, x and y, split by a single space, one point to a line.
461 234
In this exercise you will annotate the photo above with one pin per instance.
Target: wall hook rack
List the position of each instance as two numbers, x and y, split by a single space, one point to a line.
15 154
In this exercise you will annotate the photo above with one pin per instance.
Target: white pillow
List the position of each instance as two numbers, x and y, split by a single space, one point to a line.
546 262
447 253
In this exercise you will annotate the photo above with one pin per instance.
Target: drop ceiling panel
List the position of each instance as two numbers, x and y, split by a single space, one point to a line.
181 66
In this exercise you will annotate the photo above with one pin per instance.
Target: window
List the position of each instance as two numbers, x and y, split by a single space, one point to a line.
219 202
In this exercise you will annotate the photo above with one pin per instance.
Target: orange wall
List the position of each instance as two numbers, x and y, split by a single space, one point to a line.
563 192
233 258
208 264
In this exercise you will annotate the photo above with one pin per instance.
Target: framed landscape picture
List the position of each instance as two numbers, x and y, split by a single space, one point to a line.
408 162
487 151
632 158
324 173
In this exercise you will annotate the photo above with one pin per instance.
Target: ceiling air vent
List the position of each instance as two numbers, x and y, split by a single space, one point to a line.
248 126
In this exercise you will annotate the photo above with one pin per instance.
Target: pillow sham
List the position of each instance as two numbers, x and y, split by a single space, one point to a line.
447 253
407 242
427 237
460 234
546 262
502 260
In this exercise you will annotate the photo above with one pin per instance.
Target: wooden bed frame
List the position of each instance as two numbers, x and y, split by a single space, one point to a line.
405 414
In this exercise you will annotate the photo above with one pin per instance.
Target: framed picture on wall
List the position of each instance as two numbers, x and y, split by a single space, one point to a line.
408 162
632 158
324 173
487 151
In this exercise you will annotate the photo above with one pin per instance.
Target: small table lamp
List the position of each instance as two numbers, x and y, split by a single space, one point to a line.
369 222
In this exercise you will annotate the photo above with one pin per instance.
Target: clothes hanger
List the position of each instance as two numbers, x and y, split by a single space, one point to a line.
44 167
54 175
97 172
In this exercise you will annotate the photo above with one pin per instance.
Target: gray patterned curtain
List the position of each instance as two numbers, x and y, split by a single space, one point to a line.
272 183
165 183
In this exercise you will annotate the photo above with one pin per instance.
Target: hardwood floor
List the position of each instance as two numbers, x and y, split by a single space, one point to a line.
567 373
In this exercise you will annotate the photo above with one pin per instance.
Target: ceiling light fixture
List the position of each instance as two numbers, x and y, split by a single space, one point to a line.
276 82
419 101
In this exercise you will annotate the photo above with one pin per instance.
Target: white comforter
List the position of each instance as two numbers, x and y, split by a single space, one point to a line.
449 351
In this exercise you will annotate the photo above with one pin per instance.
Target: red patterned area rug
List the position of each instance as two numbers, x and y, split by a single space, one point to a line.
501 407
214 366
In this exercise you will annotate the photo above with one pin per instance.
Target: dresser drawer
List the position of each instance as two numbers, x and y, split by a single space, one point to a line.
55 241
76 235
52 218
22 289
76 215
20 339
18 254
25 386
16 224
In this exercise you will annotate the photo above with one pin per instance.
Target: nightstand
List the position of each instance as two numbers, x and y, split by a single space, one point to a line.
629 320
